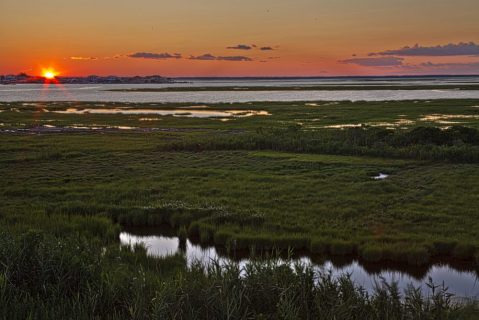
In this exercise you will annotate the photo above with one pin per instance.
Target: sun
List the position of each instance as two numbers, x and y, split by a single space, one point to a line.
49 74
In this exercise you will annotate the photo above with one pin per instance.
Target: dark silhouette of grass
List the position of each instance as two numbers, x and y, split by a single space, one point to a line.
66 276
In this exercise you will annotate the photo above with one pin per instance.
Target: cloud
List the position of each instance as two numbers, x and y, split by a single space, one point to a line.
234 58
240 47
429 64
154 56
375 62
210 57
206 56
442 67
83 58
459 49
249 47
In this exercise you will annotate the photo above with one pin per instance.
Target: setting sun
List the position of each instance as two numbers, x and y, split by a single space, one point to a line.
49 74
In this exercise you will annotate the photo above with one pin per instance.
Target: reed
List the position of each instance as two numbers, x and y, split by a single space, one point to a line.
44 277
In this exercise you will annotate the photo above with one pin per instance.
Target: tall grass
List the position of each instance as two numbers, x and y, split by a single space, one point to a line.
45 277
456 144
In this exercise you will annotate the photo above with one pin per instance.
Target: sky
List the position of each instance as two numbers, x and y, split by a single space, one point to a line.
240 37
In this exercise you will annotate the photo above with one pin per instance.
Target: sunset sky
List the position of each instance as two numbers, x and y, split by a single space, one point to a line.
240 38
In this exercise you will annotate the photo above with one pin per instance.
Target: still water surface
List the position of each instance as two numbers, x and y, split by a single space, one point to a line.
461 281
100 93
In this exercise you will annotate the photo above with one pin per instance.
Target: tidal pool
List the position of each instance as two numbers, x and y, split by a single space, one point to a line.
173 112
381 176
460 280
399 123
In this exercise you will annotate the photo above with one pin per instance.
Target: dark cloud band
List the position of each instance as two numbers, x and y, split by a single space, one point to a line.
240 47
375 62
209 56
459 49
154 56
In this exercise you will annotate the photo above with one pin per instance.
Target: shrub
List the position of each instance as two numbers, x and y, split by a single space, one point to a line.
443 247
293 242
206 233
182 233
243 241
428 135
417 256
464 251
139 219
180 219
341 247
155 219
248 241
124 220
194 229
372 252
261 242
319 245
222 237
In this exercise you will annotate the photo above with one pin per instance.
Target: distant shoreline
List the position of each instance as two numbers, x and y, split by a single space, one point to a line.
398 77
157 79
24 78
302 88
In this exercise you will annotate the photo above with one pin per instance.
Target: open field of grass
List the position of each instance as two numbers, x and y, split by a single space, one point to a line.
262 198
296 178
263 180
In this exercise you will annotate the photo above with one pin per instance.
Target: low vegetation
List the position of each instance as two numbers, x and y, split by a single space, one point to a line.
68 275
262 182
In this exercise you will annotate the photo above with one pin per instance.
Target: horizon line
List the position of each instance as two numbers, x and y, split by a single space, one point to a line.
263 77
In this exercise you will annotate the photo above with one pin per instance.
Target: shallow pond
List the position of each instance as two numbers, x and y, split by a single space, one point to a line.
185 112
381 176
461 280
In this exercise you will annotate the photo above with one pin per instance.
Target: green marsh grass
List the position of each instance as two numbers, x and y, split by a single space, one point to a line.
276 182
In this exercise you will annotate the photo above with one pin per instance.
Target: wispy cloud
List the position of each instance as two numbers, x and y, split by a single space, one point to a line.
83 58
162 56
459 49
234 58
92 58
441 68
240 47
375 62
206 56
250 47
429 64
209 56
154 56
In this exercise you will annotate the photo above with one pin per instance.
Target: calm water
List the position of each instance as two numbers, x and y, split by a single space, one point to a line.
462 283
38 92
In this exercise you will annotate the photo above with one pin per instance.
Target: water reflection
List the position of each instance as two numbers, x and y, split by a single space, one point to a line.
100 93
173 112
381 176
461 280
